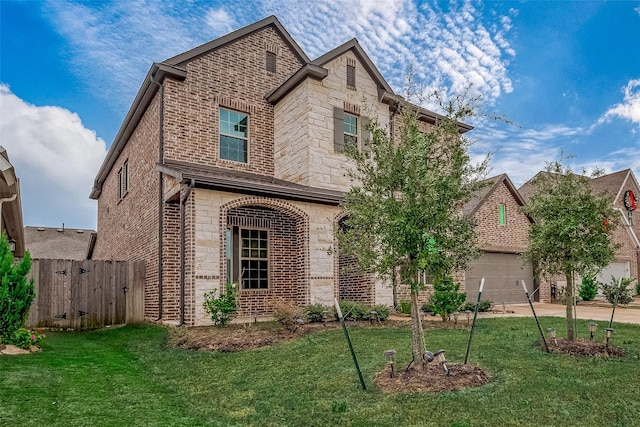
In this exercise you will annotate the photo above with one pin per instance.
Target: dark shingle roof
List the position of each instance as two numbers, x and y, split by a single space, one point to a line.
57 243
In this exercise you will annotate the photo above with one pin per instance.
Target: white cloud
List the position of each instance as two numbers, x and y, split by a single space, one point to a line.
113 44
220 21
55 158
629 109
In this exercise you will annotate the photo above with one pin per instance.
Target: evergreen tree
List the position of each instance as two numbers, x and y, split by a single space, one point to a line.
16 292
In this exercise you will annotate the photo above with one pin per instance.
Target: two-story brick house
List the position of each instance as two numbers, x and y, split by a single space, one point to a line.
230 165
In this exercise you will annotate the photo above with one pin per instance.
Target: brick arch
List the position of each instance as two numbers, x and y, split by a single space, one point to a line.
301 220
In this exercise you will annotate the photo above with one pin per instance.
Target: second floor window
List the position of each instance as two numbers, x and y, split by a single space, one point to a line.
234 136
350 131
123 180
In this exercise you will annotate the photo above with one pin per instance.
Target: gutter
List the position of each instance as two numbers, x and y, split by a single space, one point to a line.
183 251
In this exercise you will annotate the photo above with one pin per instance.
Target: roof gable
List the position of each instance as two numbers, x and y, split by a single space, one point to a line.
187 56
354 46
472 206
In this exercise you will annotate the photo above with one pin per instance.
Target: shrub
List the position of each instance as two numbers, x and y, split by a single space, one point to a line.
588 288
383 312
223 307
16 292
287 313
405 307
623 291
638 288
484 306
315 312
446 297
360 311
24 338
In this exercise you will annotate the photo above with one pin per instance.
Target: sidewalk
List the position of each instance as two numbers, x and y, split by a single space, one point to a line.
587 312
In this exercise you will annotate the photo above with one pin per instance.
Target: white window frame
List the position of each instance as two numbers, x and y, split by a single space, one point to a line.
221 134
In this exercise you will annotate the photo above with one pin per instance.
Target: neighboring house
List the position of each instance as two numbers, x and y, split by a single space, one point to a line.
10 204
230 166
623 191
57 243
503 232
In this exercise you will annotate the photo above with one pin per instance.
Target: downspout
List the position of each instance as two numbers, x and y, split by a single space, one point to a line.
183 252
7 199
160 195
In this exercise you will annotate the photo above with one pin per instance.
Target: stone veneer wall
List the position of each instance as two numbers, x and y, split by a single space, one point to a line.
304 129
313 280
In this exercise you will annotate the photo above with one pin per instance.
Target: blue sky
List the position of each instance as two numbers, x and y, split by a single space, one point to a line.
568 73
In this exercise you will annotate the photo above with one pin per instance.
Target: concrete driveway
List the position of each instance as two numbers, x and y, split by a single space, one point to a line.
630 314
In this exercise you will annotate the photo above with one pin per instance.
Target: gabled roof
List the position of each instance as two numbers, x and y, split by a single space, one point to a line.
315 69
483 195
242 32
613 184
173 67
57 243
11 205
354 46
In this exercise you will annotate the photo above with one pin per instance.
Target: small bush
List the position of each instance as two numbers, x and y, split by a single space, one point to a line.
484 306
223 307
405 307
383 312
446 297
361 312
315 312
24 338
287 313
624 291
638 288
588 288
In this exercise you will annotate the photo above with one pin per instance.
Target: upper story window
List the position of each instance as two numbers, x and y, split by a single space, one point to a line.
123 180
271 62
502 214
234 136
350 128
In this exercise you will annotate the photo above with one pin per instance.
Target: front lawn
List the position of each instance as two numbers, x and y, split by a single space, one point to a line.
129 377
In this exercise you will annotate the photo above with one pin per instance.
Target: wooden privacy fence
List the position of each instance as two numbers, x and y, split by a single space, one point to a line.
86 294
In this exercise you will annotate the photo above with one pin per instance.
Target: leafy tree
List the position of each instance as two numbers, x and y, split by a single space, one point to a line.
618 291
572 228
404 208
16 292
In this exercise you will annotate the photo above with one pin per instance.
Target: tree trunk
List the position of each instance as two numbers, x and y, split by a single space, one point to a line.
418 345
568 296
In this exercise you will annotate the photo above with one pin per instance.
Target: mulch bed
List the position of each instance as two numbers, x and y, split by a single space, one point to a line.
432 379
583 348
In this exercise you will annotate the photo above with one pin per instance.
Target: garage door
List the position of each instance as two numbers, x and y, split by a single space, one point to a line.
502 273
615 269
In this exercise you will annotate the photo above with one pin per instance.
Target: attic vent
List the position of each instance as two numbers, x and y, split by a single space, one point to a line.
40 228
60 230
80 231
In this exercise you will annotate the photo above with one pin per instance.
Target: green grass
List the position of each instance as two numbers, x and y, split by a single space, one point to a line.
128 377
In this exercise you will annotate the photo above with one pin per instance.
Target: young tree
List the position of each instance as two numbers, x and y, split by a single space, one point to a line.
16 292
572 228
404 208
